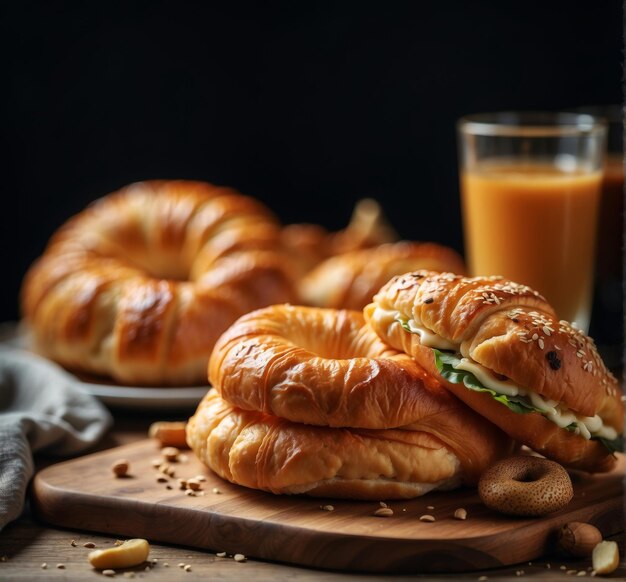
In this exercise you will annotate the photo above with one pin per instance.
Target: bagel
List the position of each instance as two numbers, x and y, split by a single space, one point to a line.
265 452
500 348
524 485
326 367
350 280
140 285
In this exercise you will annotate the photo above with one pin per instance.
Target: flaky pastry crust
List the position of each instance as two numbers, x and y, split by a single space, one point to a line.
140 285
264 452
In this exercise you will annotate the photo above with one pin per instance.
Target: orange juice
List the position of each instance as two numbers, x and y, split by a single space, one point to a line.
536 225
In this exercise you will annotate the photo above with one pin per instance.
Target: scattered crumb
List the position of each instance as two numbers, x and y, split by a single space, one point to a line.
221 554
430 507
109 573
44 566
187 568
61 566
120 468
170 454
427 517
327 507
89 545
383 504
240 558
216 490
73 543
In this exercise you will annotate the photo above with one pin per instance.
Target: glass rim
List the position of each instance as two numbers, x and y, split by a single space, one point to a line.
532 124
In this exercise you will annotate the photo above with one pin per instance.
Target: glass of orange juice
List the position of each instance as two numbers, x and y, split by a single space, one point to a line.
530 194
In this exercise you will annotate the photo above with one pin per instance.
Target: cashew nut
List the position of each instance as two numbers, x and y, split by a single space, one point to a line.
130 553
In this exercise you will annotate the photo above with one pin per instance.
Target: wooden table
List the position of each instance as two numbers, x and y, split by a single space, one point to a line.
27 544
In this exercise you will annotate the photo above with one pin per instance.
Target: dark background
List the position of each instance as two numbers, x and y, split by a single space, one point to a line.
308 107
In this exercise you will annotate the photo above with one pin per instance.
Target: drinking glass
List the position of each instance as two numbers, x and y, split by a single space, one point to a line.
607 314
530 194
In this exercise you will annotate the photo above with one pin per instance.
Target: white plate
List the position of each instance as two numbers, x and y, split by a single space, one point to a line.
145 398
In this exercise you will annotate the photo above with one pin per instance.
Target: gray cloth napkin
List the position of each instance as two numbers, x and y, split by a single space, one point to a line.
41 409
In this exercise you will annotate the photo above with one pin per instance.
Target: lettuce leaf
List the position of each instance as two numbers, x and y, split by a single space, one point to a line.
445 363
404 324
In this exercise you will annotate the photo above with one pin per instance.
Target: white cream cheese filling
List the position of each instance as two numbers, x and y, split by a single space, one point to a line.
386 317
586 426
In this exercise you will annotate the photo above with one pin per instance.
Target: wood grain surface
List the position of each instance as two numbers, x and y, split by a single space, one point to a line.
84 494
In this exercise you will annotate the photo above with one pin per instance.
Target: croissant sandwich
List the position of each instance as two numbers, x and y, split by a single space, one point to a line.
500 348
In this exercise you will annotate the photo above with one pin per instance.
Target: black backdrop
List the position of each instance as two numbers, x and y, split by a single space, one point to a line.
307 106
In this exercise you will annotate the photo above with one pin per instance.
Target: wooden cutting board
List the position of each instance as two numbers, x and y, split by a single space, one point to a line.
84 494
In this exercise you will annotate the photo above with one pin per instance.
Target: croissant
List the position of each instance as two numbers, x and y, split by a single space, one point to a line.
350 280
140 285
327 367
500 348
265 452
311 243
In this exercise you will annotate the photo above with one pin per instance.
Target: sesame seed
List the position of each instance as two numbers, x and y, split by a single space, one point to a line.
540 342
